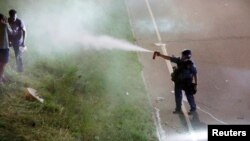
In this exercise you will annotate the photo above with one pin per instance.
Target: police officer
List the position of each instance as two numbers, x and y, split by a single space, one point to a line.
185 79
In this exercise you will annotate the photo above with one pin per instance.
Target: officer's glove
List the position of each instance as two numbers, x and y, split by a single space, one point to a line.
194 88
158 53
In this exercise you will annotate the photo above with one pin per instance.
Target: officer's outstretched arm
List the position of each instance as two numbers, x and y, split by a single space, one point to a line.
163 56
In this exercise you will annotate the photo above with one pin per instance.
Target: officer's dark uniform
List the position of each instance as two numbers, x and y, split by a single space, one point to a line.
183 82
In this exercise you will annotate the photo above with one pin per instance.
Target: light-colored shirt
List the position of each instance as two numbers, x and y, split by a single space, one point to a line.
16 36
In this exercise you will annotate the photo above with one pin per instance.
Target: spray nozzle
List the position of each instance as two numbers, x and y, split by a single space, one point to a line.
156 53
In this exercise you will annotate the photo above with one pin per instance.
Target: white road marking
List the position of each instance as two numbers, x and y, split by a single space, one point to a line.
169 68
212 116
153 20
162 135
159 130
164 50
130 22
154 116
157 120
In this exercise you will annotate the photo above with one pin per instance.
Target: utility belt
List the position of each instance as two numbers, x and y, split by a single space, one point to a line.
187 86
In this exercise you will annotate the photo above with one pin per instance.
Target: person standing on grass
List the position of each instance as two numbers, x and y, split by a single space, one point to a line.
17 38
4 45
184 77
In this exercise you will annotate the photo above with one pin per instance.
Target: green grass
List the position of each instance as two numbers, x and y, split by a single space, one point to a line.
85 91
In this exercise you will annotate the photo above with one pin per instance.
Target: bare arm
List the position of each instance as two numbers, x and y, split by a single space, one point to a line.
24 36
9 28
23 28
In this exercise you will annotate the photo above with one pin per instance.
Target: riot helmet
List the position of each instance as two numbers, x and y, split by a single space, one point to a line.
187 53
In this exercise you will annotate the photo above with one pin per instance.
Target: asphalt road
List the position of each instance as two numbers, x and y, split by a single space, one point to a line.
218 33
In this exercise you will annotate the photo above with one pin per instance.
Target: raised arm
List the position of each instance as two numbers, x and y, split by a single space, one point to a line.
165 56
156 53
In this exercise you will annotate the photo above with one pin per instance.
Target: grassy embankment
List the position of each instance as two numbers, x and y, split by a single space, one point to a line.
89 94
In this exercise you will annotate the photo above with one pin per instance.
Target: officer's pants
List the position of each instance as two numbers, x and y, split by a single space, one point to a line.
178 97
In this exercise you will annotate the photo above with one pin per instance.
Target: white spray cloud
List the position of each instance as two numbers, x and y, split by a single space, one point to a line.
74 24
103 42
